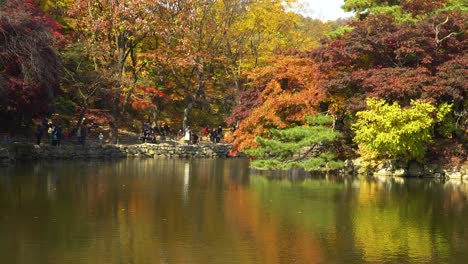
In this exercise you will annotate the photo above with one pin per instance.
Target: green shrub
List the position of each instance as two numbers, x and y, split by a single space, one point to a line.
391 132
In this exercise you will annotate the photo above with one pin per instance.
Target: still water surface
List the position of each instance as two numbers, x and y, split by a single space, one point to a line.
216 211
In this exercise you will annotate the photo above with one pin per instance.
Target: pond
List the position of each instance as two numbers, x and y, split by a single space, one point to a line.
218 211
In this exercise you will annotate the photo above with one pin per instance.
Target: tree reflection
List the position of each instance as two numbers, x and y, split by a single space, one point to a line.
214 211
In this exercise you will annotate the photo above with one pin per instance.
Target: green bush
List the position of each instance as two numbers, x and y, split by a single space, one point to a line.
391 132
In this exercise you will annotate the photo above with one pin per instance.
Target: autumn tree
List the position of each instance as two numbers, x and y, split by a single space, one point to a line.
207 46
277 96
111 32
188 59
398 61
402 10
29 72
82 85
57 9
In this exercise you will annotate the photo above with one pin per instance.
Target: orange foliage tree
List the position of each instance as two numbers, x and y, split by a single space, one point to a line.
144 97
286 93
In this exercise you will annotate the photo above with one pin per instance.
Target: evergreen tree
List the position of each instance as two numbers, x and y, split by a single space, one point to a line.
305 147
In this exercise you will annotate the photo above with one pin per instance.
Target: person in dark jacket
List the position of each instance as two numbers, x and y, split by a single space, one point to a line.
39 133
59 134
213 135
84 134
219 134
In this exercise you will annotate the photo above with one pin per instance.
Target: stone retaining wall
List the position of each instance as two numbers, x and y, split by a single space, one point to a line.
5 157
22 152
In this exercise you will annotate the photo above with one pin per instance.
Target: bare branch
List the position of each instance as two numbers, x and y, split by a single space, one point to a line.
437 28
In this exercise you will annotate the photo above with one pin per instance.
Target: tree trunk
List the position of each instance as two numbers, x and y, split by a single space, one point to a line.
114 130
121 50
81 116
155 115
187 110
115 113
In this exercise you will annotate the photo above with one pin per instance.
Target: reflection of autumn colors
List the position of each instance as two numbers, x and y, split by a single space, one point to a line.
392 222
213 211
272 242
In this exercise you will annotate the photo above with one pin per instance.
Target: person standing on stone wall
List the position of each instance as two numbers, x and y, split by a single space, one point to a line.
50 131
84 134
187 135
213 135
44 123
78 134
166 129
54 137
39 133
206 133
194 137
59 134
220 132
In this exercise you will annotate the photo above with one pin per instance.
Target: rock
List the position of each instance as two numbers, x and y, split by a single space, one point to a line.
415 169
381 166
454 175
4 153
383 172
430 168
400 172
357 162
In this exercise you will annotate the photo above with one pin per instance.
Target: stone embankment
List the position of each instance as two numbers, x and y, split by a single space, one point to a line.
410 169
6 157
26 152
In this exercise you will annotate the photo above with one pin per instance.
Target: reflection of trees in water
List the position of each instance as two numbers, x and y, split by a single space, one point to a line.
413 219
273 238
151 211
457 195
126 211
378 219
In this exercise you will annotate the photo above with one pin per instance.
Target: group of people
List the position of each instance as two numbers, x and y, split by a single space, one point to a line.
214 135
55 135
150 132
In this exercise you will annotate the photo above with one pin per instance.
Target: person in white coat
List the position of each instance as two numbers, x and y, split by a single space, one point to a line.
187 136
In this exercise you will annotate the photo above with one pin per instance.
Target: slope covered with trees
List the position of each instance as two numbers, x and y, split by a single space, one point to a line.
415 52
177 61
254 66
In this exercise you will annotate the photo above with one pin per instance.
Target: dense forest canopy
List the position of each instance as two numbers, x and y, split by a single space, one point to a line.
144 59
417 56
250 65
